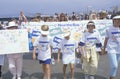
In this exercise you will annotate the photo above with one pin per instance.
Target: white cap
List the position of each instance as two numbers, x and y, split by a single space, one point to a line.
65 34
12 24
44 32
90 24
116 17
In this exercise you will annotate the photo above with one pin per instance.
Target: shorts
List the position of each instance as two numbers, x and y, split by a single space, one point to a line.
48 61
69 61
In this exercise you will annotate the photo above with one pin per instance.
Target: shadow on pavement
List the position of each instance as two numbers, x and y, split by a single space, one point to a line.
8 75
36 75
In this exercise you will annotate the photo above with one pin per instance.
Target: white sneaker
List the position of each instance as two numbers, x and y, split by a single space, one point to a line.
86 76
18 77
92 77
14 77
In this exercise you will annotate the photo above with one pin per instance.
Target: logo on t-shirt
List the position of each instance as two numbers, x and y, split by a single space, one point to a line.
44 45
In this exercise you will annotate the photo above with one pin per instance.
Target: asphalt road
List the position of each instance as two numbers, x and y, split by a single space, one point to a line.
33 70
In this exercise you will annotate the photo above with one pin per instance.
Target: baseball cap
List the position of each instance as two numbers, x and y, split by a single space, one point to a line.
44 32
67 33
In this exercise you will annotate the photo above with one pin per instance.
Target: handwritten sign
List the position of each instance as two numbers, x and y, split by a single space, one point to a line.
77 28
13 41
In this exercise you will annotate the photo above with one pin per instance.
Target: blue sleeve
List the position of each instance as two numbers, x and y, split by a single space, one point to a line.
98 45
81 44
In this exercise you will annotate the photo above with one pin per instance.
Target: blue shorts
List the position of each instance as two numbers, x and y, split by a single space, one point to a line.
48 61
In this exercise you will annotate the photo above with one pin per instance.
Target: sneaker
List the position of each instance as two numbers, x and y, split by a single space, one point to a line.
92 77
86 76
53 61
18 77
14 77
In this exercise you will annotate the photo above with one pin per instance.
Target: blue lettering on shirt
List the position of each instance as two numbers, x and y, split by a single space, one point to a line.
115 32
69 45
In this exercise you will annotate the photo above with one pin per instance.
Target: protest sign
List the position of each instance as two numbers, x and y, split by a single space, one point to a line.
13 41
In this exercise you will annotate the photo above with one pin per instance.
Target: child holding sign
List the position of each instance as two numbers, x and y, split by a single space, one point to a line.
15 60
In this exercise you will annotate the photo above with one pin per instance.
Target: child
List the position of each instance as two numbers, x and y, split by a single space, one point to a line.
88 44
15 60
112 41
44 45
67 47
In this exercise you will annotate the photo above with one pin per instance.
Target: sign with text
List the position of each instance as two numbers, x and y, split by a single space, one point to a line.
13 41
77 29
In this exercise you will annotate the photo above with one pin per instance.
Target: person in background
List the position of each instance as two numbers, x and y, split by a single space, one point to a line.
89 41
1 56
73 16
15 60
62 17
44 45
112 42
68 48
22 18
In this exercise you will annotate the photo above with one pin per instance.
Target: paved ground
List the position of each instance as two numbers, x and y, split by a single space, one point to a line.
33 70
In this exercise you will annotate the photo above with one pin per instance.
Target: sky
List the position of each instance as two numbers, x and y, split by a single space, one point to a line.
30 7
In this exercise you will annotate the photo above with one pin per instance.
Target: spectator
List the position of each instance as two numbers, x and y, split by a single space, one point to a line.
63 17
22 18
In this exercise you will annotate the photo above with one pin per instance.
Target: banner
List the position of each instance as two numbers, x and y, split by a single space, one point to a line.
56 29
13 41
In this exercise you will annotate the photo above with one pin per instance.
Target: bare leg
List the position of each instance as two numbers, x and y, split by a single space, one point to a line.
72 70
64 70
45 76
46 70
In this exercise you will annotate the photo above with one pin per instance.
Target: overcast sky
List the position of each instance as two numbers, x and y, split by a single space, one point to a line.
13 7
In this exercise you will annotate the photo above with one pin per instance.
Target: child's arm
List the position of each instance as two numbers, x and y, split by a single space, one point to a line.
83 52
105 44
34 52
51 49
58 57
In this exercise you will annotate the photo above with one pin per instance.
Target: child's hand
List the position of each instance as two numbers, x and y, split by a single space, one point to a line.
58 60
83 56
34 56
103 51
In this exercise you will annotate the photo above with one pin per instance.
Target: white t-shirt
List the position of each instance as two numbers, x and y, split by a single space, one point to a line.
91 39
113 44
43 44
68 49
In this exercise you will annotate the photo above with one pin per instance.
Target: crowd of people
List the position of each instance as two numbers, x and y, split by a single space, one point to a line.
90 40
74 17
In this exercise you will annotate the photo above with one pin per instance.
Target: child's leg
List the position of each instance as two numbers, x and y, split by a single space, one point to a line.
45 75
64 70
46 70
72 70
